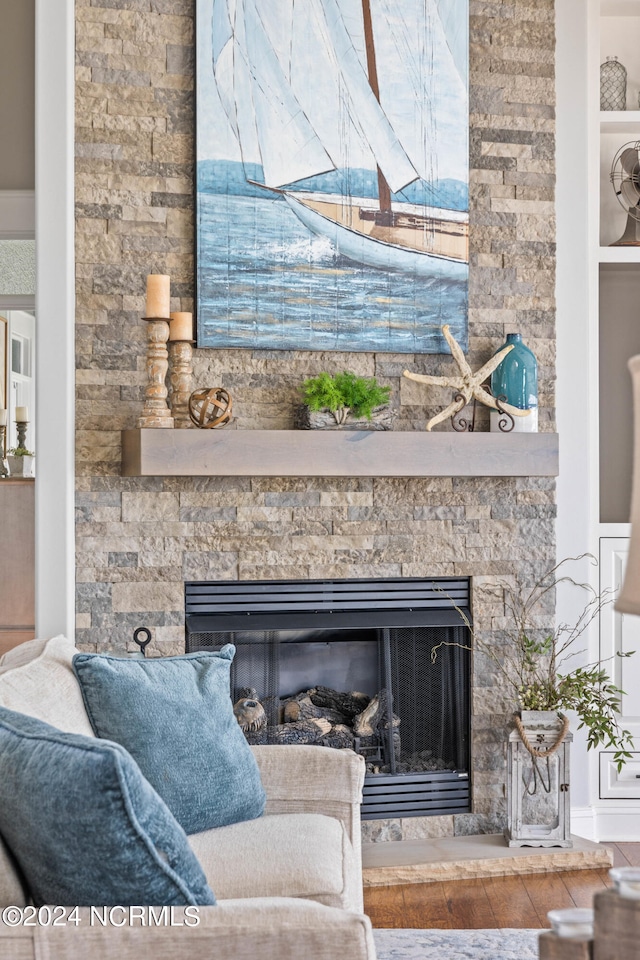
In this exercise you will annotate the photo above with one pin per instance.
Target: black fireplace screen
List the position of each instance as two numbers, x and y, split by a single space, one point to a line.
379 666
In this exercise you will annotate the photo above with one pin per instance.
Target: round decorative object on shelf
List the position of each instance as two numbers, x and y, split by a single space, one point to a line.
210 407
613 85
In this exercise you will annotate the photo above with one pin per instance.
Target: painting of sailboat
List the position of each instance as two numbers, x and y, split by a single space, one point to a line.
332 174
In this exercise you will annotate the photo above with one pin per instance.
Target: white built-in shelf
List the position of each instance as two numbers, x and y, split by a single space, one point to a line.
620 121
619 254
336 453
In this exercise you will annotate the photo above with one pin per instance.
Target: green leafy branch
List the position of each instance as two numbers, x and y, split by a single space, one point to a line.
21 452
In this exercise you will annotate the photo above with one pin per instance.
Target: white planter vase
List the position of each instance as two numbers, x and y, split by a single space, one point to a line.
22 466
381 419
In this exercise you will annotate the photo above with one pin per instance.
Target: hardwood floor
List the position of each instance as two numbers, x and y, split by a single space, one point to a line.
493 902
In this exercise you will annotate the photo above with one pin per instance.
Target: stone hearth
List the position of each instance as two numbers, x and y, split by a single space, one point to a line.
468 858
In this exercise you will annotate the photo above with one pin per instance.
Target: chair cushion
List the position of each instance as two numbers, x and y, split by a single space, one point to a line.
175 717
37 678
85 826
288 855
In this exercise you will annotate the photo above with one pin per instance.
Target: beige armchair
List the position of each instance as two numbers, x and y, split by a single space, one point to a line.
288 884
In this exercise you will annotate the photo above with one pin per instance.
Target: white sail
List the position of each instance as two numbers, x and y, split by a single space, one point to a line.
260 51
421 43
385 146
453 15
265 117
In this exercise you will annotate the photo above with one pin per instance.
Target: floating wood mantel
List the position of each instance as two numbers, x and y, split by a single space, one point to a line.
336 453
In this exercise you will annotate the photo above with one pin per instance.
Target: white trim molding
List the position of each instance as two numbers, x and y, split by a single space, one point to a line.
17 214
55 309
583 822
619 822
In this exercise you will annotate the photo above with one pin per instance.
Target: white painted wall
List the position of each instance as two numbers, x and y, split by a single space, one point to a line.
55 309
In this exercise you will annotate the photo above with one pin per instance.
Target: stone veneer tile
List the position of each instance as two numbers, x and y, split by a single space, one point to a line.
424 828
138 537
346 498
146 596
209 565
377 831
150 506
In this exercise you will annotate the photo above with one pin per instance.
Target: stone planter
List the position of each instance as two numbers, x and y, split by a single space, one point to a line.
381 419
538 808
22 466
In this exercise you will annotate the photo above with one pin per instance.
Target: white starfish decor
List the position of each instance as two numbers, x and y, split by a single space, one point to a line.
468 384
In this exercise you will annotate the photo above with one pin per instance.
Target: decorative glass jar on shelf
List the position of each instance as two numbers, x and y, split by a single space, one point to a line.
613 85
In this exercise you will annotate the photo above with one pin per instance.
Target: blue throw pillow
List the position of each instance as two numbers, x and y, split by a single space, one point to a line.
84 825
175 717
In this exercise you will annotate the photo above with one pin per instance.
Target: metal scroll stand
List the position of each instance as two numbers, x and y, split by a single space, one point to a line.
143 644
462 425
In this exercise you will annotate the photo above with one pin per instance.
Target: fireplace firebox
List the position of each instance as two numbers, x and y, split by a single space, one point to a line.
401 645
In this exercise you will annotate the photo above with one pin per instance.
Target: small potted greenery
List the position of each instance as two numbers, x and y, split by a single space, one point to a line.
344 400
536 667
21 462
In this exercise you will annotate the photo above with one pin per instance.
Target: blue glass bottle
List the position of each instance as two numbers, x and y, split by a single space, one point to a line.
516 378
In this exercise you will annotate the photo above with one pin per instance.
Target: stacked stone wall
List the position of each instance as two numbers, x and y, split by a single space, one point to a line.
139 539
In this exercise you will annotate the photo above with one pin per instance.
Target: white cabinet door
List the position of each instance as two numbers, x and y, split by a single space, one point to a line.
619 633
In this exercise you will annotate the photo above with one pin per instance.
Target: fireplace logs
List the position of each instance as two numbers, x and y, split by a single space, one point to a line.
326 717
252 718
348 704
302 708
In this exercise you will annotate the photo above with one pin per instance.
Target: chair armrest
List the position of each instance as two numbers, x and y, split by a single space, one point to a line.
313 776
271 929
308 779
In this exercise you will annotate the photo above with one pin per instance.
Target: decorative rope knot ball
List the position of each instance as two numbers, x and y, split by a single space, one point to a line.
210 407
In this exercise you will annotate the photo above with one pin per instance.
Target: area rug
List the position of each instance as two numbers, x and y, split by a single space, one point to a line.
457 944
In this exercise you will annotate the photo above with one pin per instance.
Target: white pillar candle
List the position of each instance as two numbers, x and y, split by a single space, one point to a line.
181 326
3 418
158 295
22 414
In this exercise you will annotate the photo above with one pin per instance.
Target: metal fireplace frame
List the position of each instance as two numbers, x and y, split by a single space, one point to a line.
226 607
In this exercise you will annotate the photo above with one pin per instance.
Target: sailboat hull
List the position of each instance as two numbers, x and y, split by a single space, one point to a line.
423 246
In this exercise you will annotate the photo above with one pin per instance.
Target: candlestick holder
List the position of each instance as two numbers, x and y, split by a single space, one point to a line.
181 352
156 412
4 465
21 428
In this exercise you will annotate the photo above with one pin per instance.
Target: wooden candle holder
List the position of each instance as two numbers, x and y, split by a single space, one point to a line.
181 375
156 412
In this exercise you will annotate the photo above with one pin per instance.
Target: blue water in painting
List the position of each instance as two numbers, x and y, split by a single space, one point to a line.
266 282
